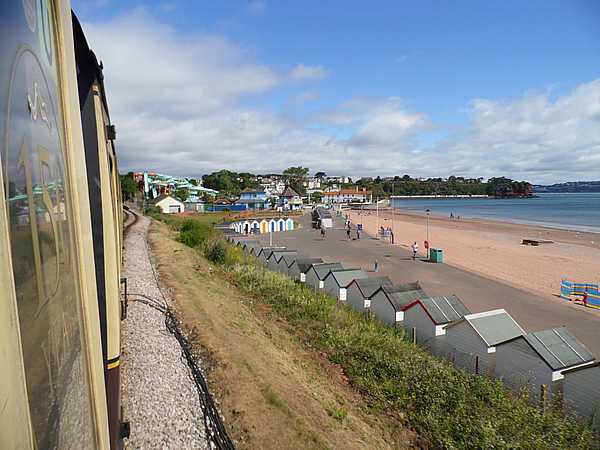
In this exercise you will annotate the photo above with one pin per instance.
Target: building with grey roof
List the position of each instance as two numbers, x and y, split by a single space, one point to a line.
317 273
388 302
472 340
276 256
297 270
265 253
336 282
428 316
539 358
581 392
360 290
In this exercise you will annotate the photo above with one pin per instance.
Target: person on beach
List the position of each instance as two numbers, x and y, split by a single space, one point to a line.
392 236
451 216
415 249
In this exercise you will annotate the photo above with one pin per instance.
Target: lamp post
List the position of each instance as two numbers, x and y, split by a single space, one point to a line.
427 232
377 209
392 206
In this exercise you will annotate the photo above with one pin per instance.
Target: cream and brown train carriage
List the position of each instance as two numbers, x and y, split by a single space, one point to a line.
59 288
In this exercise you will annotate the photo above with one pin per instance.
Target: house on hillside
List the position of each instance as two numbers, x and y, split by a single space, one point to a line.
297 270
360 290
347 196
539 358
429 317
253 198
168 204
581 392
388 302
276 257
317 273
337 281
289 200
471 342
265 253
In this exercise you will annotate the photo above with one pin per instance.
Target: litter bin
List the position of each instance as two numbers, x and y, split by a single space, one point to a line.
436 255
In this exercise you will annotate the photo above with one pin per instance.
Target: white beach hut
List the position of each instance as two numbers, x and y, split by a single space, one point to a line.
297 270
581 392
471 341
539 358
289 224
360 290
388 302
317 273
337 281
428 317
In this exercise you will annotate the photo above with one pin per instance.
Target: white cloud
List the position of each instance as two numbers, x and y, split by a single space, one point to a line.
302 72
303 98
177 102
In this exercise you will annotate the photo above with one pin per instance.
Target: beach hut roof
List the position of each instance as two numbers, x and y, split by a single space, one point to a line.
289 258
278 254
559 348
344 277
251 243
268 250
494 327
444 309
306 263
322 269
401 299
368 286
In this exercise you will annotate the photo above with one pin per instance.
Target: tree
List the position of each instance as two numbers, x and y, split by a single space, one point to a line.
128 186
181 194
316 197
294 177
320 175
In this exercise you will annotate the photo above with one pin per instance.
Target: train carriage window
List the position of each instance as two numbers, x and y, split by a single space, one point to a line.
42 243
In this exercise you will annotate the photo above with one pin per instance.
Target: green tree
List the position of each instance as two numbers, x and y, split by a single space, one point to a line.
181 194
320 175
316 197
295 177
128 186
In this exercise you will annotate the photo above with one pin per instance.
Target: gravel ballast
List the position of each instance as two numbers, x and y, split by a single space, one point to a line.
159 397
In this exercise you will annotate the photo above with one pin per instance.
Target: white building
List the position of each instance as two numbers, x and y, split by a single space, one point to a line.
360 291
337 281
471 341
168 204
539 358
347 196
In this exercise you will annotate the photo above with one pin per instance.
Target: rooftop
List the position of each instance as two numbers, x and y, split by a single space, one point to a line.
444 309
344 277
368 286
559 348
306 263
495 326
322 269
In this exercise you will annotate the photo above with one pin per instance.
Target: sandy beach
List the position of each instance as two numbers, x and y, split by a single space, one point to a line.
493 249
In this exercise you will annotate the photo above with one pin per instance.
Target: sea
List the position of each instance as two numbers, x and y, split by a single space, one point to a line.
571 211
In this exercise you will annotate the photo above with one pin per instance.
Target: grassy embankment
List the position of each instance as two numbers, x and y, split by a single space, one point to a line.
448 407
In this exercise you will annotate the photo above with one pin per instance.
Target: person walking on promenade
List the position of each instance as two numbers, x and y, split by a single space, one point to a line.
358 233
348 232
322 232
376 266
415 249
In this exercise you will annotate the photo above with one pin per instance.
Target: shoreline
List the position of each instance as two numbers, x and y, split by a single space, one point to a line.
493 248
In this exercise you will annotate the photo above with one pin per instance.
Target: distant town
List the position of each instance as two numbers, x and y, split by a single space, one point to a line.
294 188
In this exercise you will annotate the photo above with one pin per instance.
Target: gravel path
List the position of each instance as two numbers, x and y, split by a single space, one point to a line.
159 397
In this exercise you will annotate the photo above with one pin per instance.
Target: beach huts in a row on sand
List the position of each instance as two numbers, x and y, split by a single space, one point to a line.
546 363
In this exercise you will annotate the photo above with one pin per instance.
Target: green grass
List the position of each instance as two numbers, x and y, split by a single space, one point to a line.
451 408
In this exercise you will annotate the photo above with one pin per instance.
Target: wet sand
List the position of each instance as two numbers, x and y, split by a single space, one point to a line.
494 249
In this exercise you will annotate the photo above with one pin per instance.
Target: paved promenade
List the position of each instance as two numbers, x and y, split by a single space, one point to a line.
478 293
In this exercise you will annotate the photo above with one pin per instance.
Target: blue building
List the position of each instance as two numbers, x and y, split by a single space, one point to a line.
254 198
289 200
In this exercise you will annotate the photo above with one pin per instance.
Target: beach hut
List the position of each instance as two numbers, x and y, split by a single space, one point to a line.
428 317
286 261
289 224
265 253
336 282
255 227
249 245
388 302
297 270
317 273
276 256
471 341
581 392
360 290
539 358
264 226
272 225
281 225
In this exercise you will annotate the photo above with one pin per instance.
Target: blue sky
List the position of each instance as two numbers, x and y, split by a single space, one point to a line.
429 88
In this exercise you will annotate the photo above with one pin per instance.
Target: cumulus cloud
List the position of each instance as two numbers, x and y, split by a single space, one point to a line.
302 72
178 102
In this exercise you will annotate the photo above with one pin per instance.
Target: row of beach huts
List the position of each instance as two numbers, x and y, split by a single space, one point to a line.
550 364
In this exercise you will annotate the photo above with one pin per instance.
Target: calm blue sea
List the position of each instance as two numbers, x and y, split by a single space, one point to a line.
570 211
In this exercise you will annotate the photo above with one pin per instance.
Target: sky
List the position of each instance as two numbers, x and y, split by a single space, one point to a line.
428 88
